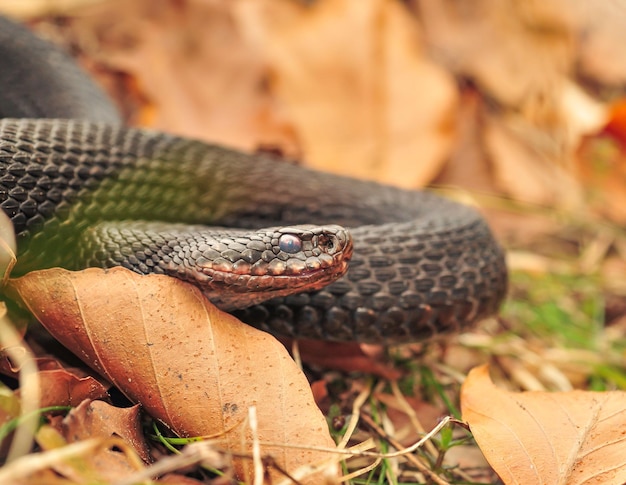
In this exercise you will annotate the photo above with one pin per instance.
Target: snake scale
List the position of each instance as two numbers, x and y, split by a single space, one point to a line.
82 190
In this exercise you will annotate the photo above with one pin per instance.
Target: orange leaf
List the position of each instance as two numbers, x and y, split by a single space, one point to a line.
530 438
193 367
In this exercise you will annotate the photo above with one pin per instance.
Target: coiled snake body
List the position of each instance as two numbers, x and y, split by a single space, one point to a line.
84 193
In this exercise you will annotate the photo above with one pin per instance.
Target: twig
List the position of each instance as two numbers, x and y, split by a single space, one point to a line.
406 452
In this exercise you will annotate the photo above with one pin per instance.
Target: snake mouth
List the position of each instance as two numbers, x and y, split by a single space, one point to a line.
231 291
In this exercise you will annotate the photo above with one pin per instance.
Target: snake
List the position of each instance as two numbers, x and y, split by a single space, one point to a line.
287 249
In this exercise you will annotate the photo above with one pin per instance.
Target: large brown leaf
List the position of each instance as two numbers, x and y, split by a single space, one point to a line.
193 367
531 438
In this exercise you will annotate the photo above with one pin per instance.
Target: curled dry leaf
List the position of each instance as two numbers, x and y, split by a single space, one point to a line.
93 419
62 387
191 366
108 461
574 437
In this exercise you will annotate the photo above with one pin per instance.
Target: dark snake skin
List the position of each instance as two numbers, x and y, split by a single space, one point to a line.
422 266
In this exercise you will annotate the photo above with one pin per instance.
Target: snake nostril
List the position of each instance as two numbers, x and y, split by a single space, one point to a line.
328 244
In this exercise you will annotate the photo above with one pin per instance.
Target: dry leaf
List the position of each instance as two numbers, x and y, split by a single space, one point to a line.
521 55
104 464
190 65
601 57
468 165
176 479
34 8
92 419
513 50
62 387
364 98
525 172
191 366
601 166
345 356
574 437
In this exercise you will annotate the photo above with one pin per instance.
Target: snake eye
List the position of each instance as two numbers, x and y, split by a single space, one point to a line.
289 243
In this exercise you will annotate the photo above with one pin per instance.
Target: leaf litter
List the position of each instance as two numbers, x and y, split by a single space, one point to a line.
538 437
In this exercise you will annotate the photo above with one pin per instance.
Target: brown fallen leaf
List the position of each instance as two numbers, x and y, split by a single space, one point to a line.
176 479
355 79
93 419
345 356
62 387
601 57
189 64
104 464
33 8
90 460
513 50
520 57
601 166
191 366
568 438
529 174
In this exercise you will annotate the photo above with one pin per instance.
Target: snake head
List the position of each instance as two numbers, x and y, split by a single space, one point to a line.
240 269
234 268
